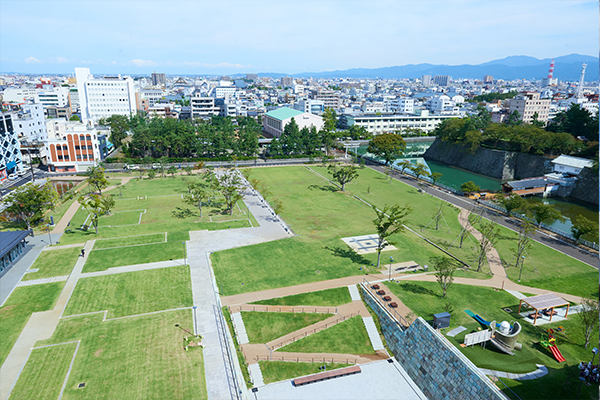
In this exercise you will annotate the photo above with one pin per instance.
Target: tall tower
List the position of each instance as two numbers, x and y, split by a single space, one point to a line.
579 92
550 80
551 70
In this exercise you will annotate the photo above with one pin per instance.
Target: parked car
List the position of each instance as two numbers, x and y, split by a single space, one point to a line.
21 173
131 166
13 176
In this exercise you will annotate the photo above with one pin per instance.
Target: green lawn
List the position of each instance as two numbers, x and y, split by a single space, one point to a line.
132 358
54 263
18 308
275 371
44 373
347 337
556 271
238 350
151 238
330 297
262 327
321 217
133 292
424 299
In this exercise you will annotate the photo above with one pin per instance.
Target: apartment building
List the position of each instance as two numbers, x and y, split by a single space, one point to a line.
403 105
310 106
18 94
159 79
529 103
203 107
58 97
29 123
442 80
331 98
103 97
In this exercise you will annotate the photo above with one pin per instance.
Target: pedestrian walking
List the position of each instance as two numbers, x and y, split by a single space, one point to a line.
82 252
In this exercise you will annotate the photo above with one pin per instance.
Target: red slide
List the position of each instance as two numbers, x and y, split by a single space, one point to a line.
556 353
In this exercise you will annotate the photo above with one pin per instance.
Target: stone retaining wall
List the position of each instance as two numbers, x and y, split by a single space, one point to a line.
434 364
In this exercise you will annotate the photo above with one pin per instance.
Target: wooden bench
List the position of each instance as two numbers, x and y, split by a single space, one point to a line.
381 292
323 376
387 298
393 304
375 286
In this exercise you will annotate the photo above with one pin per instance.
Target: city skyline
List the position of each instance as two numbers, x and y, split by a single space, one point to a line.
285 37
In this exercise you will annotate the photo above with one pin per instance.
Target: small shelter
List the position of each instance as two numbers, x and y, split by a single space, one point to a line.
543 302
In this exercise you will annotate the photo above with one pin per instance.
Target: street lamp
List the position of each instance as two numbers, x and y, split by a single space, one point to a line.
595 351
184 255
391 261
195 321
581 380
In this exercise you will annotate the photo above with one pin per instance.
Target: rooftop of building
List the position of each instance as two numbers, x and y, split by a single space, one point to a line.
284 113
575 162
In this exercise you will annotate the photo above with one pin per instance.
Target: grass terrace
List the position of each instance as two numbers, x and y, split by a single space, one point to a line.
275 371
330 297
54 263
263 327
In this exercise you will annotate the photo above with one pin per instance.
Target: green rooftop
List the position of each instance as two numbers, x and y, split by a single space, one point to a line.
284 113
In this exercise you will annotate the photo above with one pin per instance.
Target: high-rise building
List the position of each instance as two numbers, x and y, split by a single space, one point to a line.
441 80
330 98
10 148
286 81
252 77
488 79
159 79
103 97
426 80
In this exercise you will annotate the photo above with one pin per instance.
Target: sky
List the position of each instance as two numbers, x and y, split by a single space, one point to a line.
220 37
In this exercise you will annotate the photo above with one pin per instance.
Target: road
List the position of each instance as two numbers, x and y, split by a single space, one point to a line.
543 238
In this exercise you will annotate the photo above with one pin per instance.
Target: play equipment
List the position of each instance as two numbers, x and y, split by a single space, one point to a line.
502 335
549 342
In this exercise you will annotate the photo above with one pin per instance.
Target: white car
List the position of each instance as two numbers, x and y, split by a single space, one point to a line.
21 173
132 167
13 176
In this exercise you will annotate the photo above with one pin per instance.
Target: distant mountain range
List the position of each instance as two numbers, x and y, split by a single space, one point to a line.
513 67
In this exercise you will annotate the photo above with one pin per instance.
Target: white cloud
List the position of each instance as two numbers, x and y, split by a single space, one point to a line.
142 63
32 60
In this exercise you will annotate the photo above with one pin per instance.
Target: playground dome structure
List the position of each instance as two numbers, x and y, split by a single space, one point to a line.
504 327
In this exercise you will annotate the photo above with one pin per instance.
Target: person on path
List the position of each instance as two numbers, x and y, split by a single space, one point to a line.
82 252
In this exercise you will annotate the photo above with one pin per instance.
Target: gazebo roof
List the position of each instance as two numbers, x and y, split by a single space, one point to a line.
543 301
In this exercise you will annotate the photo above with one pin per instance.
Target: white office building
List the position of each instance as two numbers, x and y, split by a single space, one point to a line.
18 94
403 105
58 97
103 97
203 107
29 123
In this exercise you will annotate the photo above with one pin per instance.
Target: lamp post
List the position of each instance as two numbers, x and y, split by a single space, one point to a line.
391 261
521 270
184 254
594 351
581 380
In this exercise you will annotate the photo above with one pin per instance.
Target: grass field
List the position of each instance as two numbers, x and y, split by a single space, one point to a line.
321 217
262 327
330 297
54 263
347 337
44 373
424 299
275 371
151 238
18 308
133 293
556 271
132 358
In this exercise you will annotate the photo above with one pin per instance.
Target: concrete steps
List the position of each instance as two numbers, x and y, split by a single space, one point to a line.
238 323
256 375
373 334
354 293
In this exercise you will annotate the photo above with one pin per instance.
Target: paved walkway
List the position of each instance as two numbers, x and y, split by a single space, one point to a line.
515 293
373 333
354 294
291 309
240 328
134 268
40 326
538 373
43 280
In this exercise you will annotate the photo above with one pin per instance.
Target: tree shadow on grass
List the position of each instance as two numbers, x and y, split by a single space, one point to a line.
324 188
417 289
182 212
349 254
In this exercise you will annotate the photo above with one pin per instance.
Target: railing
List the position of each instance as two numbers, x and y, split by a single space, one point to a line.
543 225
399 318
312 331
278 357
291 309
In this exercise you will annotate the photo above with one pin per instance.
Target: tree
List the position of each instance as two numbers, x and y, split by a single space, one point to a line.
162 163
28 202
96 179
510 203
526 229
197 193
75 117
514 119
490 233
469 187
388 146
389 221
404 164
535 120
151 174
188 170
230 185
119 125
329 131
172 170
546 212
108 203
141 173
588 318
343 175
119 185
444 275
95 206
583 226
435 176
419 170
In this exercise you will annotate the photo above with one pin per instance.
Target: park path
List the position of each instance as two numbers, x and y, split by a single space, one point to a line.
258 352
70 213
40 326
494 260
